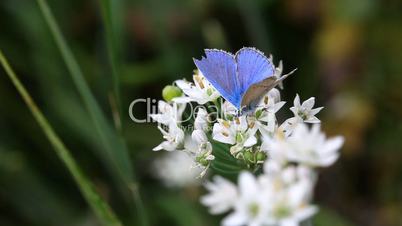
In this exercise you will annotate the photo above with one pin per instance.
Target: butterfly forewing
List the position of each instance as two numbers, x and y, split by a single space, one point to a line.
219 68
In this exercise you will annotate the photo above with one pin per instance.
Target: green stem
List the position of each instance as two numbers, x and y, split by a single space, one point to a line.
98 205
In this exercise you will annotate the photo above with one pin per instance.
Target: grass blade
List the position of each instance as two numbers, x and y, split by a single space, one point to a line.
116 150
98 205
108 15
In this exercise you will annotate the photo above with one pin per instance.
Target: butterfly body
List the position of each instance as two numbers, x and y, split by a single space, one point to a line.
242 79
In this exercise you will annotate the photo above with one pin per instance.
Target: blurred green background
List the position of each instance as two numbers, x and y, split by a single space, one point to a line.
348 54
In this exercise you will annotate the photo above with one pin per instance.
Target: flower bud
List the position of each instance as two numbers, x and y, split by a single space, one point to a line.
170 92
261 156
202 160
248 156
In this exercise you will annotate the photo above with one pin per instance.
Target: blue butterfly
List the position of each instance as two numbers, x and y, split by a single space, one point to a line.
243 78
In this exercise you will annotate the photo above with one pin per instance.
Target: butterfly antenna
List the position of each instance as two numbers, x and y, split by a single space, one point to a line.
285 76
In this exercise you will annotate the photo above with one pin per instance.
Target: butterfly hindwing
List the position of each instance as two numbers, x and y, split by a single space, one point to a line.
252 67
219 67
255 92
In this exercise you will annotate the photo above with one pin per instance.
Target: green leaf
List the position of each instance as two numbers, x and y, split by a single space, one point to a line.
98 205
222 151
224 163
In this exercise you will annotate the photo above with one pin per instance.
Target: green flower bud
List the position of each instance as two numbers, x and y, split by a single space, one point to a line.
239 137
261 156
170 92
202 160
248 156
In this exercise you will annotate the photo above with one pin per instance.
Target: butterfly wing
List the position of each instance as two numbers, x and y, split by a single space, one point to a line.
219 67
256 91
253 68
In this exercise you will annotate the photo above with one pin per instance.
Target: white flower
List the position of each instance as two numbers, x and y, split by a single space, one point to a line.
288 174
222 195
265 114
174 138
289 125
237 132
201 150
310 147
274 94
175 170
199 136
302 113
305 111
279 197
275 146
229 110
289 191
289 205
251 207
168 114
201 121
201 91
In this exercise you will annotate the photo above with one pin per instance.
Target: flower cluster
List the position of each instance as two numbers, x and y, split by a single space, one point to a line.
277 159
279 196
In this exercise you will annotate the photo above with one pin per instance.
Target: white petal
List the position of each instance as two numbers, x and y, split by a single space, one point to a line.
182 100
275 95
182 84
329 160
218 135
250 141
333 144
271 167
309 103
278 106
312 119
315 110
296 101
224 139
235 219
248 184
306 213
289 222
157 148
199 136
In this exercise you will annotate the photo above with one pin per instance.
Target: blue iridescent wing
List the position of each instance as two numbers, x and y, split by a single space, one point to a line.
219 67
252 67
